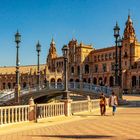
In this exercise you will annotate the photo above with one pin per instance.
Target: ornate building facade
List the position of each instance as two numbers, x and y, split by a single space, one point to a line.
86 64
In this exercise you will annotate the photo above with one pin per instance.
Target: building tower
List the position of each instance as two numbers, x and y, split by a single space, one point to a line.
51 56
129 44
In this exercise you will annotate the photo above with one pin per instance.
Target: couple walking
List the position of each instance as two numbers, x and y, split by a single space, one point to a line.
113 101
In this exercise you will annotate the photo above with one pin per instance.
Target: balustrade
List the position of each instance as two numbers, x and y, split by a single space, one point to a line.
49 110
13 114
16 114
79 106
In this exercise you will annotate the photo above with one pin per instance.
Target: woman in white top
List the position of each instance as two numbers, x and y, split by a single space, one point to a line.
113 101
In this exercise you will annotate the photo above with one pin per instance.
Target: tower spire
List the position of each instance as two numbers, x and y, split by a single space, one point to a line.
129 31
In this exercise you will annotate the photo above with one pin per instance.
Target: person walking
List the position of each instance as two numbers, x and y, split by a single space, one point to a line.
102 104
113 101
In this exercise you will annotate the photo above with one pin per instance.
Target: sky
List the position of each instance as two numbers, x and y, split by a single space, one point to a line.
88 21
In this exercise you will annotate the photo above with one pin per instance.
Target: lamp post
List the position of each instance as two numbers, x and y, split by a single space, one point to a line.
17 86
65 55
120 61
116 35
38 49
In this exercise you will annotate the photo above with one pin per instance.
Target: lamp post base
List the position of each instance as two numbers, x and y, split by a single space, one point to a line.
17 94
66 95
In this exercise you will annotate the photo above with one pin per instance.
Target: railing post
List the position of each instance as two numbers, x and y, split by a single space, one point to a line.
89 104
31 110
67 107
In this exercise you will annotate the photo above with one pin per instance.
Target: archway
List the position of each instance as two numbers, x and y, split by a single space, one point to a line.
9 85
88 80
84 80
94 80
24 85
77 80
71 80
4 86
52 83
59 80
100 81
59 83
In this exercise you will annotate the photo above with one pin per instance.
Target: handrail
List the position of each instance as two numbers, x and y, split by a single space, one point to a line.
72 86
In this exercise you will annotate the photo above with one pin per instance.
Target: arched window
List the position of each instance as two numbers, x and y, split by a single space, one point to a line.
100 81
94 80
52 84
71 80
84 80
59 80
77 80
52 80
9 85
24 85
3 85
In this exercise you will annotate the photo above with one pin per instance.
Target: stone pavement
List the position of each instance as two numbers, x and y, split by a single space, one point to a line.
125 125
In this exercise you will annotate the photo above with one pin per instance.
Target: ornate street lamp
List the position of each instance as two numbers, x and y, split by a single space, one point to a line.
116 35
17 86
38 49
120 61
65 55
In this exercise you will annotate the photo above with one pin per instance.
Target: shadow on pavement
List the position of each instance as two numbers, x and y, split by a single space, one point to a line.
74 136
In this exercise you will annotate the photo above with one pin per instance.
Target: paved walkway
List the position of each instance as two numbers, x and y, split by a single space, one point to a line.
125 125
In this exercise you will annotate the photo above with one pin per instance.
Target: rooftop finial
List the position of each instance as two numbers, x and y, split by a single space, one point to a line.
52 41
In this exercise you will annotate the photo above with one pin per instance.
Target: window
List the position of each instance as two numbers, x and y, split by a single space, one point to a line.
104 67
72 70
102 56
96 68
78 70
125 54
106 56
86 69
110 55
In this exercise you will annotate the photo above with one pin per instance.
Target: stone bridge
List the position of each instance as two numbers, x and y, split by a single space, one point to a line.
52 90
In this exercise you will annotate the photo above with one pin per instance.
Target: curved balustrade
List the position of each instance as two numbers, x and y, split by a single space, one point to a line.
90 88
74 86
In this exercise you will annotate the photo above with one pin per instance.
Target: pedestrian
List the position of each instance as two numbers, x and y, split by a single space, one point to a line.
102 104
113 102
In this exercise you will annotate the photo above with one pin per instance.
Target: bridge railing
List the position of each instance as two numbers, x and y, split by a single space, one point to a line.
49 110
79 106
14 114
87 87
90 87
